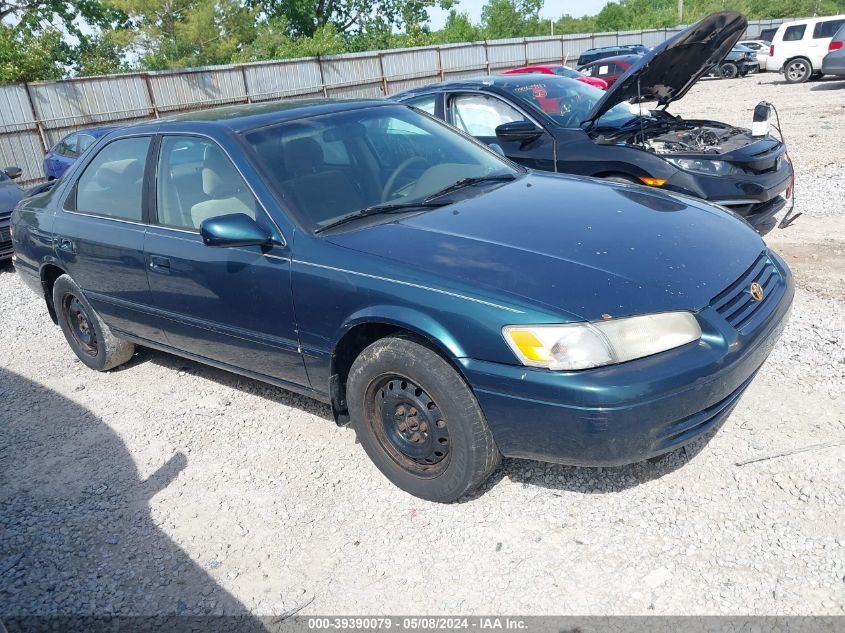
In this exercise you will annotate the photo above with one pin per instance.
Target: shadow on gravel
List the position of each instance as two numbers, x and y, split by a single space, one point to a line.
6 266
274 394
594 480
834 83
76 535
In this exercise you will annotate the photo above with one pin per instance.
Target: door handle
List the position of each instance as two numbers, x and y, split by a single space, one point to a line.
160 264
66 245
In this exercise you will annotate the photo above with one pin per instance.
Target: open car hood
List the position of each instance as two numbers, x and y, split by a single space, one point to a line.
670 69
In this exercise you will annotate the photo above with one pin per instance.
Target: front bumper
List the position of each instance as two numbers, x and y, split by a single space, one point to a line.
5 238
636 410
756 197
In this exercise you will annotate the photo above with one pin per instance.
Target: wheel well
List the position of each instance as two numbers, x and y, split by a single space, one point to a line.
350 346
618 174
49 274
806 59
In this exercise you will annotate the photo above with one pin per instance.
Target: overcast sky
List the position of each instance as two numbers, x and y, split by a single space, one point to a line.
552 9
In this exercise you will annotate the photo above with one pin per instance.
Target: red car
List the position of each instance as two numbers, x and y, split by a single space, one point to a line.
610 68
561 71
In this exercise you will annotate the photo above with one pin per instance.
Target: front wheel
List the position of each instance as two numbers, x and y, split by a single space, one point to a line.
86 333
418 420
798 71
729 70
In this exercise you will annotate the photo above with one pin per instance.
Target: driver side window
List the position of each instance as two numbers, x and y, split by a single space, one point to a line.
480 115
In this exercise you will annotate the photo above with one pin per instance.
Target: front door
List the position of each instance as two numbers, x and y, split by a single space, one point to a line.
480 114
230 305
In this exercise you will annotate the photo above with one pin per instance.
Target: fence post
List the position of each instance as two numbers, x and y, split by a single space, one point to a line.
322 76
440 72
525 49
487 56
150 97
246 87
383 75
38 127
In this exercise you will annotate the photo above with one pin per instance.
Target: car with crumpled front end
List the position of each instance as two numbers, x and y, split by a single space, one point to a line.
449 305
10 195
556 124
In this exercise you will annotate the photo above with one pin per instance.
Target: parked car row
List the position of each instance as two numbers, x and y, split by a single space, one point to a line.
449 304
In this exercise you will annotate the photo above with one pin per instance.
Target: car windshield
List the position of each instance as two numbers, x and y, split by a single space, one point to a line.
570 102
563 71
334 165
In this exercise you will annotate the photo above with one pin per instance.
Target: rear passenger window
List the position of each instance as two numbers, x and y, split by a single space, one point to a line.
197 181
794 33
827 28
113 181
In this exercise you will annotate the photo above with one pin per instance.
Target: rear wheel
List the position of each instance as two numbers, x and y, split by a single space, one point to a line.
418 420
729 70
798 70
86 333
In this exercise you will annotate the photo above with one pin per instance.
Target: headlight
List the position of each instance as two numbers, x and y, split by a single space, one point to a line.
704 166
584 345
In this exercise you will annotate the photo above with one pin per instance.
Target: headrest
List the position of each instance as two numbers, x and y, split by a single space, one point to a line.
219 177
119 173
303 155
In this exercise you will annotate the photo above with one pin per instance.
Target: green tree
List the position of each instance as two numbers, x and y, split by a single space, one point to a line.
458 28
273 42
349 17
28 56
510 18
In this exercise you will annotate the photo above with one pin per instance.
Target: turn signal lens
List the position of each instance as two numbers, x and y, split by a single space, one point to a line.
653 182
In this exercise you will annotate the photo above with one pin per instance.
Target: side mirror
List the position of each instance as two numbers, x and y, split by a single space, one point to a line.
13 172
497 148
237 229
518 131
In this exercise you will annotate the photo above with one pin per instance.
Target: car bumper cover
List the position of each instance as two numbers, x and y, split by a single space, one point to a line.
629 412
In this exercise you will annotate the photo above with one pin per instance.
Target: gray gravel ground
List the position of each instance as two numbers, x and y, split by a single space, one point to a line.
170 487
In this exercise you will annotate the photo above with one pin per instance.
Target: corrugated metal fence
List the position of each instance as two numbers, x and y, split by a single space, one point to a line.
33 117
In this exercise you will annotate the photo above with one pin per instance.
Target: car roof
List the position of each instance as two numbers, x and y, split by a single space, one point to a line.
475 83
247 116
605 48
628 59
811 21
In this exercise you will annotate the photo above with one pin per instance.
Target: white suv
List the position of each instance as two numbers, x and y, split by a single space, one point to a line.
799 47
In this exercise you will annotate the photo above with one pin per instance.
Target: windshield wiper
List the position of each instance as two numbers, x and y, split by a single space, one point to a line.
396 207
468 182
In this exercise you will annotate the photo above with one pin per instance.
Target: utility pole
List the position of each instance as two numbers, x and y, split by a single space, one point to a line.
552 25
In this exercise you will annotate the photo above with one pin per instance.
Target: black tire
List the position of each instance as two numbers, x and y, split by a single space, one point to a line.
729 70
418 420
86 333
798 70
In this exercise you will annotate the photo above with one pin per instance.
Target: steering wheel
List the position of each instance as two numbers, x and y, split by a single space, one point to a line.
401 168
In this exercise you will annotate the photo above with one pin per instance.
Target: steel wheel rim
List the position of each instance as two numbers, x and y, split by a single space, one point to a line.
80 326
409 425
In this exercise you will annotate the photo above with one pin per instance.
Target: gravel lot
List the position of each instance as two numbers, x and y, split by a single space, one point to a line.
170 487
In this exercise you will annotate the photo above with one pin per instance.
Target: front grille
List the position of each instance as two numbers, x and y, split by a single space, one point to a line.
735 303
5 234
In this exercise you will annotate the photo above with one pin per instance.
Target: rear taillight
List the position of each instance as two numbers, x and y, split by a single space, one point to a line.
834 45
772 50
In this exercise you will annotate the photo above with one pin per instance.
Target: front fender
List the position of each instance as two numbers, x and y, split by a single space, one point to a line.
409 319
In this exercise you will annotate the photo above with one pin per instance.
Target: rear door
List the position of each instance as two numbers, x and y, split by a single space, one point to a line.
793 42
230 305
479 114
823 32
99 235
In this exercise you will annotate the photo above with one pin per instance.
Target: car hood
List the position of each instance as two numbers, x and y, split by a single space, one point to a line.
670 69
575 246
10 195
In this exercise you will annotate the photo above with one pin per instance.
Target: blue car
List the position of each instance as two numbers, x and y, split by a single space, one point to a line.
64 153
448 304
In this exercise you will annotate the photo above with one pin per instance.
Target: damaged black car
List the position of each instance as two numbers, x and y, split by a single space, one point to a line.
558 124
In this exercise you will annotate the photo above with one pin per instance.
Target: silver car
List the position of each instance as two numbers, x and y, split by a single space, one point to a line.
834 62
